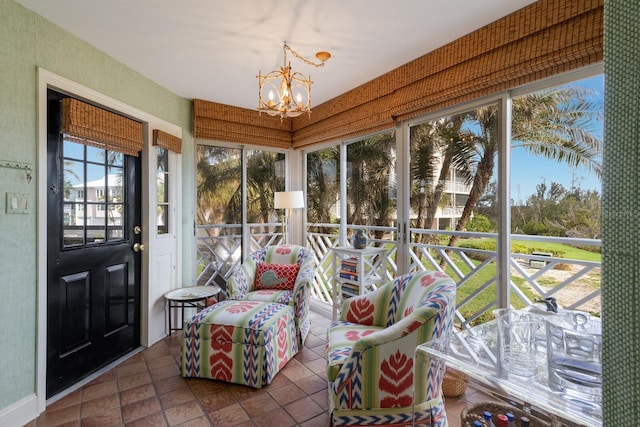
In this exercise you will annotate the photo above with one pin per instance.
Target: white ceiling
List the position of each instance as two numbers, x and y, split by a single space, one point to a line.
213 49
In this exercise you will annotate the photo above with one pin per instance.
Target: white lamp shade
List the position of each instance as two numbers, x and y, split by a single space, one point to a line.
288 200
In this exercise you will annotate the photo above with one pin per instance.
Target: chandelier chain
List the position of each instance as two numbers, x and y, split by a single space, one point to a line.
300 57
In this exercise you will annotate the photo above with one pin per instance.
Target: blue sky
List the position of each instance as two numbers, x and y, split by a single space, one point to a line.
528 171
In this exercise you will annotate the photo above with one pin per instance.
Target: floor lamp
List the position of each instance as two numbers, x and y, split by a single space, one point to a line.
287 200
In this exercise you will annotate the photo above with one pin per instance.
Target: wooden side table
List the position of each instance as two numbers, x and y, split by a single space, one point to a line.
188 297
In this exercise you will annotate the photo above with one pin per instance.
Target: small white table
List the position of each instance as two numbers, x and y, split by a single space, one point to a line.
190 296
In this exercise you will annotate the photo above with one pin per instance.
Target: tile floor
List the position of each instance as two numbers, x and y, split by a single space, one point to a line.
147 390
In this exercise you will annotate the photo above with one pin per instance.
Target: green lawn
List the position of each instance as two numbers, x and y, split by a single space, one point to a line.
487 297
570 252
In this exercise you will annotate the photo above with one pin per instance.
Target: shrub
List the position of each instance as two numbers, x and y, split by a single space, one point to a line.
479 223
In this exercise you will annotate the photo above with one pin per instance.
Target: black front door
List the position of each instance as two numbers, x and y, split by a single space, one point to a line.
93 291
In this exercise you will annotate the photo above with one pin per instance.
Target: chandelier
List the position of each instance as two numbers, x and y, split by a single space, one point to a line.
286 93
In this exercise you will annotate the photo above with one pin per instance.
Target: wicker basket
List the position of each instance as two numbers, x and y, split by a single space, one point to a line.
454 383
475 411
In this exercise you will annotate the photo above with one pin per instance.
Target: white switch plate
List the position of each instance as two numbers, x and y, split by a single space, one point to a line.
18 203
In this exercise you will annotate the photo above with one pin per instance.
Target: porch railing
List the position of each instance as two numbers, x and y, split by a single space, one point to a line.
575 283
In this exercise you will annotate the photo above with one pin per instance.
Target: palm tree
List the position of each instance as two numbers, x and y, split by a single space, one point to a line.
372 185
262 182
557 124
436 147
323 185
219 177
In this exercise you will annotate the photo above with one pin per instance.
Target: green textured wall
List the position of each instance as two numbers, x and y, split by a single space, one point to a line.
17 231
27 41
621 214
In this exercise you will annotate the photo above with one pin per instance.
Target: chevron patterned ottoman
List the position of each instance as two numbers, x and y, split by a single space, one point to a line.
243 342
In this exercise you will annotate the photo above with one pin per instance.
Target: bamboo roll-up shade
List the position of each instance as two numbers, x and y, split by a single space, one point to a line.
546 38
165 140
90 125
541 40
233 124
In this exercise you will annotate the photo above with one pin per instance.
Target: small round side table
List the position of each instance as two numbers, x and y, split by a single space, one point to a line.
190 296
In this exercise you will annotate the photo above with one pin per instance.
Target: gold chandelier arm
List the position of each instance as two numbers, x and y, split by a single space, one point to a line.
300 57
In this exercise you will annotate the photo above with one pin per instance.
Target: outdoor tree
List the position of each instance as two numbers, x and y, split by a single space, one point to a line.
558 124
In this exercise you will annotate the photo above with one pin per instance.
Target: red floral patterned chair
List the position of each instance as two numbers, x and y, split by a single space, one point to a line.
371 347
277 273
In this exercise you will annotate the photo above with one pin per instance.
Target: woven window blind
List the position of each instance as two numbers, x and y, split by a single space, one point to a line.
165 140
226 123
90 125
543 39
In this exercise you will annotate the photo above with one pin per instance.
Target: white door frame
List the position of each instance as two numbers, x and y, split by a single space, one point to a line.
158 248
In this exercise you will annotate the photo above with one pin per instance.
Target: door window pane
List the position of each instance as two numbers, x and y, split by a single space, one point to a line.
94 204
162 188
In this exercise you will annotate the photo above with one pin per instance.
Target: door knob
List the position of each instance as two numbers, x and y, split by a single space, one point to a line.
138 247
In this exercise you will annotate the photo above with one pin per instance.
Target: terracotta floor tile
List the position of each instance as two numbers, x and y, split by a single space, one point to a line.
71 399
135 380
154 420
166 371
276 418
216 402
314 341
277 382
258 405
99 406
241 392
307 355
322 420
136 358
161 361
202 421
304 409
91 392
136 394
182 413
230 416
204 387
286 394
104 378
295 371
321 398
176 397
108 418
318 366
312 384
140 409
131 369
170 383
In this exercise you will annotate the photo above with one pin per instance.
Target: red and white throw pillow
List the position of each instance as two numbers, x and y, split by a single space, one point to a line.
276 276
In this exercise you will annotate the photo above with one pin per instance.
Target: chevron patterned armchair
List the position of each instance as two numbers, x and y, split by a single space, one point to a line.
370 362
277 273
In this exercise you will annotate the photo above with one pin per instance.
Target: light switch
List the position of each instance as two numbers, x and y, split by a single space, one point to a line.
17 203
